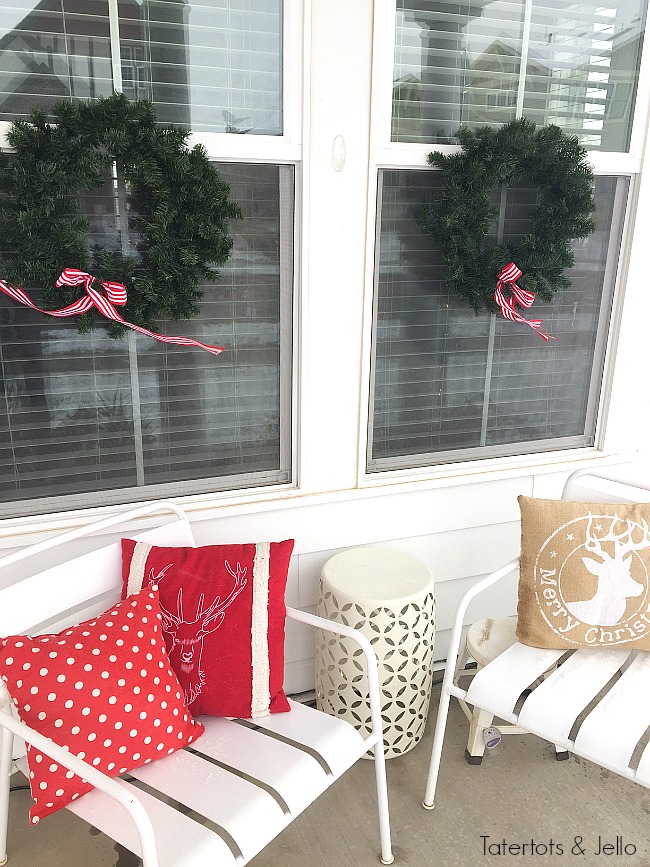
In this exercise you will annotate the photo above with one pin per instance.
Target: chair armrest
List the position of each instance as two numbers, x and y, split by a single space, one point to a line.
459 620
333 626
371 663
99 780
152 508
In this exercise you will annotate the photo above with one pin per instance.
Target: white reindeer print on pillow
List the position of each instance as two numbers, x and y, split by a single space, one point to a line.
187 632
584 576
223 617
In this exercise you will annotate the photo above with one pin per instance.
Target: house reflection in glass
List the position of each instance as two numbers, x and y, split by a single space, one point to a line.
211 68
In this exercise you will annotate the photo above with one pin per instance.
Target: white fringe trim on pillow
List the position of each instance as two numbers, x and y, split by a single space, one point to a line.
136 570
261 696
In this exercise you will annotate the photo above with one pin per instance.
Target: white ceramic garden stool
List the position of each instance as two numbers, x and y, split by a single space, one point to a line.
389 596
486 639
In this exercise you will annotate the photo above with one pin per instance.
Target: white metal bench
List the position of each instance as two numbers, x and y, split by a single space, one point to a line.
595 704
184 810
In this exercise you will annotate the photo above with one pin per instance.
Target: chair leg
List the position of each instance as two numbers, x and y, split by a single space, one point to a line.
7 743
436 751
475 751
382 802
561 755
461 662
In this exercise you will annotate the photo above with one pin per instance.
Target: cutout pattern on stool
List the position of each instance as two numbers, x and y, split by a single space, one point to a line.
403 641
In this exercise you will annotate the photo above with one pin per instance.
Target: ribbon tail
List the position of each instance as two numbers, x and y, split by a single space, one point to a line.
508 310
82 305
106 308
535 324
115 294
523 297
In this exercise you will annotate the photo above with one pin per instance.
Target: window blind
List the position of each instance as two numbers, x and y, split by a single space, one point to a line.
448 385
574 65
50 52
85 419
214 66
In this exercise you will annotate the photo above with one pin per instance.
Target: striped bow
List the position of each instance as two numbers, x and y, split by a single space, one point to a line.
508 277
115 296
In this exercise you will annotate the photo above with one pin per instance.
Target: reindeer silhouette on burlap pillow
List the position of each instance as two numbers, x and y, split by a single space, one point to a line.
584 576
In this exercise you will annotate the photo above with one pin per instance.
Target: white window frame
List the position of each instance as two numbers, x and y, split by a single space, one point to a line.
283 150
384 154
333 99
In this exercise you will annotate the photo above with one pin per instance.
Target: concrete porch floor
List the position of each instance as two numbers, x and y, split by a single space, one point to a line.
519 794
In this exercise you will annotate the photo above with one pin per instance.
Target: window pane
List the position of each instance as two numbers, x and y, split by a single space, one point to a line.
448 385
574 65
52 51
214 65
82 413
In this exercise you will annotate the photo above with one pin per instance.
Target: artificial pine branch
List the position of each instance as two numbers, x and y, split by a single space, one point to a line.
518 151
182 236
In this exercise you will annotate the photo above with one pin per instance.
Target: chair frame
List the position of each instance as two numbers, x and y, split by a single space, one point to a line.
449 688
113 787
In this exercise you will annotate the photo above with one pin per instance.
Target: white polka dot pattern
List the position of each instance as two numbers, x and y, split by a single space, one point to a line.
86 714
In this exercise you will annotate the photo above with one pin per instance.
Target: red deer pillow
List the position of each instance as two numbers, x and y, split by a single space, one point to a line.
104 690
223 620
584 579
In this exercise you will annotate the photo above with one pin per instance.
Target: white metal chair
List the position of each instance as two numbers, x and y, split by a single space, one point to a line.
600 692
256 777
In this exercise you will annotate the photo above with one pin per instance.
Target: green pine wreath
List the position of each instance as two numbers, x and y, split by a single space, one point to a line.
178 206
516 152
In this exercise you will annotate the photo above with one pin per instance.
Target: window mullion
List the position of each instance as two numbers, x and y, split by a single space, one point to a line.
619 205
488 379
523 66
116 53
493 320
119 199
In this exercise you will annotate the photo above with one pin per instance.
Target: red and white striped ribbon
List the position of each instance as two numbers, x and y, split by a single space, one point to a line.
508 277
115 295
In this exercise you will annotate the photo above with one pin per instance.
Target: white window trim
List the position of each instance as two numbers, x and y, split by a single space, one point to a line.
613 437
285 149
333 292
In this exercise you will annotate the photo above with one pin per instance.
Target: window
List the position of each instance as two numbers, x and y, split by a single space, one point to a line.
213 66
571 64
447 385
86 419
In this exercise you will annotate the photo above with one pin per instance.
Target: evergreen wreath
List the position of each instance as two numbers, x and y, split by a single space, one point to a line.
516 152
178 208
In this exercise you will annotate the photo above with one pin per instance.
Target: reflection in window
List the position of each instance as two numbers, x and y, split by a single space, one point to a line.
47 54
213 66
574 65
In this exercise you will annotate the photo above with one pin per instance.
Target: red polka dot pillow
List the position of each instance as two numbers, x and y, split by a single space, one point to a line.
223 619
104 690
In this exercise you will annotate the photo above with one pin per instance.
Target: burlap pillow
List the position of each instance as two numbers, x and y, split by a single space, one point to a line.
584 574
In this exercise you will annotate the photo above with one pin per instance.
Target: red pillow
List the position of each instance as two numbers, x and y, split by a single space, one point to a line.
223 620
105 690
